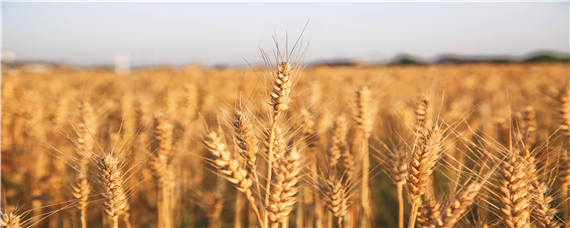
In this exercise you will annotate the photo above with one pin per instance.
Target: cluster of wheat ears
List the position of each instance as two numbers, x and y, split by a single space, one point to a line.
386 146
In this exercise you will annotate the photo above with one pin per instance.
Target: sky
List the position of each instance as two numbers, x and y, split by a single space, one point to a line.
231 33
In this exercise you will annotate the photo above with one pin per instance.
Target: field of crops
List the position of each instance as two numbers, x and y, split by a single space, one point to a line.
472 145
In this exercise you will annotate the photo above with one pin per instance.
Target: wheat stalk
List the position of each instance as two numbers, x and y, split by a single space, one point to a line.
564 179
164 171
363 118
85 142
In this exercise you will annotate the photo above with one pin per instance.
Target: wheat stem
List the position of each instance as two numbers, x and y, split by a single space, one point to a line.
400 188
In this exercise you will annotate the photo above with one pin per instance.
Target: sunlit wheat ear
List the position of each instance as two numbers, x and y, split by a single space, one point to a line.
564 111
542 210
247 140
423 161
230 168
283 188
428 213
424 156
214 207
337 203
422 114
114 194
514 188
457 206
10 220
338 138
227 164
280 96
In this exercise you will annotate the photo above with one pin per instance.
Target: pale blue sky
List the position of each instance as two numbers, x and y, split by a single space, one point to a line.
225 33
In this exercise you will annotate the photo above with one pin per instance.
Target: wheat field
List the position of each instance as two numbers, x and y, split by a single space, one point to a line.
472 145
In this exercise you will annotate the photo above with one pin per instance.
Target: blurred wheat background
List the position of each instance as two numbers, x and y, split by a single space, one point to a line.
58 125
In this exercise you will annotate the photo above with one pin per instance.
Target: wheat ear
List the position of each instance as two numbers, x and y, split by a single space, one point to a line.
544 213
398 168
337 200
280 99
514 190
115 199
337 139
422 114
10 220
424 156
457 206
427 213
247 140
282 196
231 169
81 193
